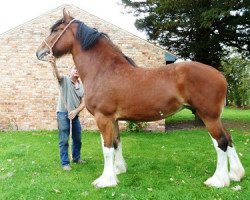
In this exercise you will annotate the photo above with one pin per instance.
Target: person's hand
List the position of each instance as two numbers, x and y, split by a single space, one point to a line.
72 114
51 59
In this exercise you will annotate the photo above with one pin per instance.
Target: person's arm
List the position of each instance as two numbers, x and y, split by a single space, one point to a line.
73 113
56 73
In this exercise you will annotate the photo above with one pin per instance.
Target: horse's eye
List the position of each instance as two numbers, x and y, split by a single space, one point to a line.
54 30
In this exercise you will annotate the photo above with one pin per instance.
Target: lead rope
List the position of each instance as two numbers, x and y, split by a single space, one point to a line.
64 101
70 123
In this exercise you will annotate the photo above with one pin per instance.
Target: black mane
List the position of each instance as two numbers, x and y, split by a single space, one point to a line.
88 36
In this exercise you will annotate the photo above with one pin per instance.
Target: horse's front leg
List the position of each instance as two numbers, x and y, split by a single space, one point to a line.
119 163
108 177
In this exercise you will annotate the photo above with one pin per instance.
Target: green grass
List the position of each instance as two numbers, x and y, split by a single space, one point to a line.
160 166
183 115
228 114
236 114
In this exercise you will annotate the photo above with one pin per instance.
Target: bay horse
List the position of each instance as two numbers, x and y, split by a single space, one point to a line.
117 90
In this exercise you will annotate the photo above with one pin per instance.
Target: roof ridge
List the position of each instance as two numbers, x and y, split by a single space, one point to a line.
29 21
76 7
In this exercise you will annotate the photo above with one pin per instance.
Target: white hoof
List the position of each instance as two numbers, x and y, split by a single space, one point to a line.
237 175
105 181
218 182
120 168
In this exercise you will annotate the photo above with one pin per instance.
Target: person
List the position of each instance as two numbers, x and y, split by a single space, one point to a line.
70 104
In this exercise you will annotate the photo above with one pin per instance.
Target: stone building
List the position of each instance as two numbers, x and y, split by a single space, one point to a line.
28 90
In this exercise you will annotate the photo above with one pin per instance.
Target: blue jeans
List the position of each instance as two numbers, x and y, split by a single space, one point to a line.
64 131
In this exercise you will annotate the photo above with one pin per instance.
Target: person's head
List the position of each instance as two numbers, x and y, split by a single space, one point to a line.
74 72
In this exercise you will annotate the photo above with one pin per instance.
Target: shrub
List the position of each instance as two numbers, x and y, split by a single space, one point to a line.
237 73
135 126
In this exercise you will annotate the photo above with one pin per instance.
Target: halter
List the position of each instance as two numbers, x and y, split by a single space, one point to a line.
50 47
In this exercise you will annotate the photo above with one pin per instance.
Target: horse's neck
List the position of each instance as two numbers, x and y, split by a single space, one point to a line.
98 58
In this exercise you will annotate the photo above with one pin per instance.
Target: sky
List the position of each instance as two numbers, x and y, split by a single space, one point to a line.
16 12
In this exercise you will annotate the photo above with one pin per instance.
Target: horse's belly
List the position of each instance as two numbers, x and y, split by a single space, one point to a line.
142 111
149 116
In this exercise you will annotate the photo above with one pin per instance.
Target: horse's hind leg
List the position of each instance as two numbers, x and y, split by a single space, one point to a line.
119 163
221 142
237 171
224 148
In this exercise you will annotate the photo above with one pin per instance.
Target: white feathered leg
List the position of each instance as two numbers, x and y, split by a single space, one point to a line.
120 164
220 177
108 177
237 171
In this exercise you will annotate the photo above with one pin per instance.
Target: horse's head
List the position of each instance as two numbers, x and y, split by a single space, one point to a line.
60 40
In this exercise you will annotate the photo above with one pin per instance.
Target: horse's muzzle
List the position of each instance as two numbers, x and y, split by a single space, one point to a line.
42 54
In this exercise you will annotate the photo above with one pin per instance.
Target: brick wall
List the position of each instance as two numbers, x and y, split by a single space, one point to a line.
28 90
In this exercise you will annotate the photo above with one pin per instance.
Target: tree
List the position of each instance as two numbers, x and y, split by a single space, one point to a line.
200 30
237 73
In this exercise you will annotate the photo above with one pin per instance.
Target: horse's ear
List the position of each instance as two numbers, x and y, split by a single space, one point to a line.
66 15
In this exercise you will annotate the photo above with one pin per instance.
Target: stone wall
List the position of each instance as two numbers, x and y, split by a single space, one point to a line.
28 90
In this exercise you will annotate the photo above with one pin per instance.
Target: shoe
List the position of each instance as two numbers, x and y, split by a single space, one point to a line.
80 161
66 168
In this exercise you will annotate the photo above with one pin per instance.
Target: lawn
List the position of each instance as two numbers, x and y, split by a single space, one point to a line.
232 114
170 165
